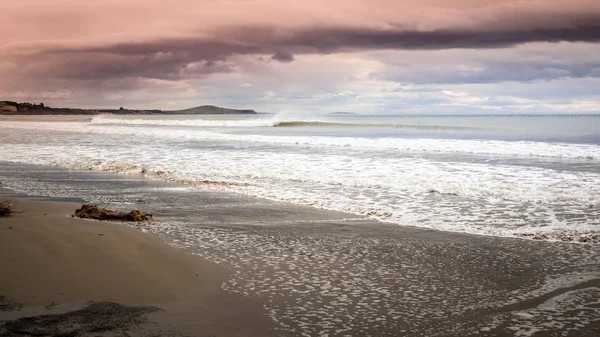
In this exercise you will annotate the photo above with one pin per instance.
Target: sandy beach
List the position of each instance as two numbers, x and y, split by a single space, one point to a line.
52 264
283 270
46 118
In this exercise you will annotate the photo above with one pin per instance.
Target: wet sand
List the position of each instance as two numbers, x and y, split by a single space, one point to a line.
323 273
51 264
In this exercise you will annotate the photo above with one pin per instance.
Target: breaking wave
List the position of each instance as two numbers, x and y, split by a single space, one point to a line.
588 152
383 178
272 122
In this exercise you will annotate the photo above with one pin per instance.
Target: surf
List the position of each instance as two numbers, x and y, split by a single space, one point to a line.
276 121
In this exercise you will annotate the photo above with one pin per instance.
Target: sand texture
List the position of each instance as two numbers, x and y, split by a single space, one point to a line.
52 264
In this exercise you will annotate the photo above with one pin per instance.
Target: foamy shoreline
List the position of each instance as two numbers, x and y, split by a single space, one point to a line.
526 189
366 278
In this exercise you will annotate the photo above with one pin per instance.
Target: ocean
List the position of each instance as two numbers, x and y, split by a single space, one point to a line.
531 176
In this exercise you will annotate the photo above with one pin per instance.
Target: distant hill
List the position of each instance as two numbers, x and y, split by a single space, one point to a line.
8 106
211 110
342 113
14 108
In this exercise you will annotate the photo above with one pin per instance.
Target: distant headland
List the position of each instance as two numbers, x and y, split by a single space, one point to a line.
342 113
14 108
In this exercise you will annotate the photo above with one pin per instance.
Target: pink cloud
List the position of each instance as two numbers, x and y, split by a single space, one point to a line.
76 46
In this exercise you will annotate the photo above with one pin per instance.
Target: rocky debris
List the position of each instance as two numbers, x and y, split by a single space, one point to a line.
592 238
6 208
434 191
379 214
577 238
97 319
99 213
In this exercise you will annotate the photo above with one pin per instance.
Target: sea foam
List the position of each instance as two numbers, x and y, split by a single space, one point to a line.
374 177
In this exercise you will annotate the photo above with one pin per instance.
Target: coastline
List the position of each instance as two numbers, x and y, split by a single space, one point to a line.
52 263
46 118
321 272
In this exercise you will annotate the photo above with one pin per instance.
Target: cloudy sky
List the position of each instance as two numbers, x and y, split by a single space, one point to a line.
370 56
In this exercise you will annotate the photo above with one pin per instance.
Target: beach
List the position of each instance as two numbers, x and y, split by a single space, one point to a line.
311 272
52 264
45 118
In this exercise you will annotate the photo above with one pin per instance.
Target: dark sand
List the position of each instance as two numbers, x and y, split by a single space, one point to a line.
321 273
51 264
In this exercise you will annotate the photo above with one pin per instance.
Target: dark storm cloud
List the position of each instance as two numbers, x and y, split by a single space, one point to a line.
454 72
282 56
187 58
326 40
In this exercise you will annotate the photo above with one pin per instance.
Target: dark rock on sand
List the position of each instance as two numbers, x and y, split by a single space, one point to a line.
99 213
5 208
97 318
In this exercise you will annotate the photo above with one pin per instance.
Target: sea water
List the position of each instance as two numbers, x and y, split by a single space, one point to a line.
513 175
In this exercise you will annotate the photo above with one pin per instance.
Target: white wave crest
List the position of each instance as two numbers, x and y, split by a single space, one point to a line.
254 122
467 146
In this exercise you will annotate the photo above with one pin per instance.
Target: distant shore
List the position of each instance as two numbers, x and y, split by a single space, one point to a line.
14 108
52 265
46 118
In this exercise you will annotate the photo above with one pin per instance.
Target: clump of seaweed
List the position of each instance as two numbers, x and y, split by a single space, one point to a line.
98 319
6 208
99 213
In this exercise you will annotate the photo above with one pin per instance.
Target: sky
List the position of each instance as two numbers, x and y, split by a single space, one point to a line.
364 56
